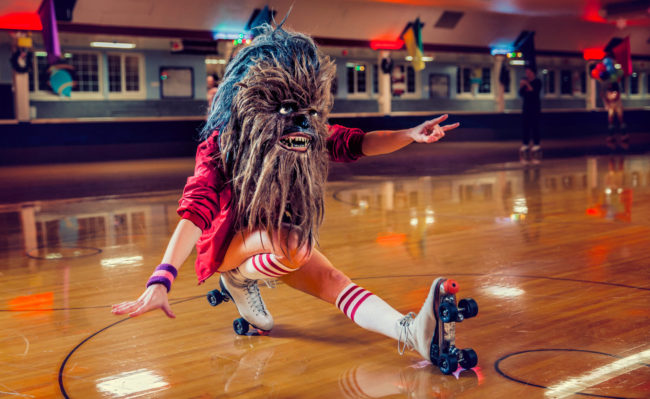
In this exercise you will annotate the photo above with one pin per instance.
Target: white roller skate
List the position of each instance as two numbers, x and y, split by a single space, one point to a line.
432 332
536 154
245 294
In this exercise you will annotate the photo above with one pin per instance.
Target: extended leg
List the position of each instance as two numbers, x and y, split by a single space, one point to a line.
319 278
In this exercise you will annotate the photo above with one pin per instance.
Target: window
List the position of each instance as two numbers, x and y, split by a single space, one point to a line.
40 81
566 82
403 81
124 74
463 80
548 81
485 86
481 78
507 89
356 74
634 83
86 68
87 71
410 79
583 82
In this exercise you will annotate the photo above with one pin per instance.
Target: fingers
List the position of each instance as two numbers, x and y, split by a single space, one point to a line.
168 310
447 128
439 119
140 310
123 308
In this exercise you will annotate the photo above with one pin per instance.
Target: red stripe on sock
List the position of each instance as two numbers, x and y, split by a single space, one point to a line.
259 267
275 267
285 269
347 305
338 305
354 311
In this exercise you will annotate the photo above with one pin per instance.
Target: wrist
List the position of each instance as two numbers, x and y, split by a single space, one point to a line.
165 274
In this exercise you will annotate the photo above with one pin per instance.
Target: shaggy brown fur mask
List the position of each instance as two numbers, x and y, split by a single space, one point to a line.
273 147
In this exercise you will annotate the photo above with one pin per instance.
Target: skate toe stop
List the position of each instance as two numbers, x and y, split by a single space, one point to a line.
451 286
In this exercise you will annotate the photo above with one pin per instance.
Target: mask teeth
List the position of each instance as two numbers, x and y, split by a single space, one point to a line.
296 141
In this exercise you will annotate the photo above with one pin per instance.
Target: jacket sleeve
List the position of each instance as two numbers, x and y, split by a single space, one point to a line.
200 200
344 144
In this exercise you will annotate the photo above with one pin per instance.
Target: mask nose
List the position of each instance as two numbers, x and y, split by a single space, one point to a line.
301 121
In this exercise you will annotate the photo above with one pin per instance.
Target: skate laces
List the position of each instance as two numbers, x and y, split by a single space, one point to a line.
254 298
271 283
404 332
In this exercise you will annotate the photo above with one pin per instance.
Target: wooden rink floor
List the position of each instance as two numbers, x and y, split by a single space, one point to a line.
556 255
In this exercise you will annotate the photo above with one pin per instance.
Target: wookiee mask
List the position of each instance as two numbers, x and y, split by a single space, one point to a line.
271 110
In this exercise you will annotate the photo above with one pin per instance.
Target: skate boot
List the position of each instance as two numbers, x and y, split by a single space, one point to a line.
432 332
245 294
536 154
524 154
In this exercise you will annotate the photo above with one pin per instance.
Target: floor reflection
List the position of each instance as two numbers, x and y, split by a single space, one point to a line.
373 380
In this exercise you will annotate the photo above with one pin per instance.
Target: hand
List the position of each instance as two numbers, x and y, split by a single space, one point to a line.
154 297
431 131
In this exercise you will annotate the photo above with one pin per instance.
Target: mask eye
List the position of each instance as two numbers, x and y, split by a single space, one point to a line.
286 109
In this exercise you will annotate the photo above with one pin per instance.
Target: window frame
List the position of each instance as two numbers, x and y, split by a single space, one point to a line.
470 94
628 93
368 75
556 83
514 85
417 94
123 94
47 95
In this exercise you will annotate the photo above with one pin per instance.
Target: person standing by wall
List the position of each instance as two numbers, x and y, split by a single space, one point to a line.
614 106
212 82
529 89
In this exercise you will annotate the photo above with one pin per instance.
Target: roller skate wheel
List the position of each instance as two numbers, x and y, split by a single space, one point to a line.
448 312
469 358
468 307
240 326
214 297
450 286
448 363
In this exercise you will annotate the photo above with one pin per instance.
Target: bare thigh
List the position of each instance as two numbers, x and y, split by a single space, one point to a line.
284 247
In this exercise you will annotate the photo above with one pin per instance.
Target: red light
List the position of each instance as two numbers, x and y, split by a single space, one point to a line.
595 53
386 44
32 302
592 12
20 21
391 239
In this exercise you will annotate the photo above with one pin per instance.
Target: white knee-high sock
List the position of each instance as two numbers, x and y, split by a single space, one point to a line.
369 311
263 266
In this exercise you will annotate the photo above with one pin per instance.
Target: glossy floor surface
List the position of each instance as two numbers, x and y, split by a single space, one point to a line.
556 255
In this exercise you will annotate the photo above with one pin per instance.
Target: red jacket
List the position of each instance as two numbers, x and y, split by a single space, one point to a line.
207 194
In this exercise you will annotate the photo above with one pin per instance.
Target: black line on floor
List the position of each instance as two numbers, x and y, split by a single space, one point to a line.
497 368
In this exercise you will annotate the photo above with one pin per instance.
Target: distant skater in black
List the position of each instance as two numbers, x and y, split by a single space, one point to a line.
529 89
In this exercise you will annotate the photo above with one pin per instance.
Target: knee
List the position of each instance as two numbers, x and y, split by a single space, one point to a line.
293 254
337 279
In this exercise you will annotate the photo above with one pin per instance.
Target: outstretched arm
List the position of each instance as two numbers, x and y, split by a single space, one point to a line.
155 296
386 141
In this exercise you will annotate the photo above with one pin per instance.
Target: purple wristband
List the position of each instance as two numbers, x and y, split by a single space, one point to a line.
164 274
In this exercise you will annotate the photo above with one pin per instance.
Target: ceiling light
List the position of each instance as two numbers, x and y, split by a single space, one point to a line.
112 45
